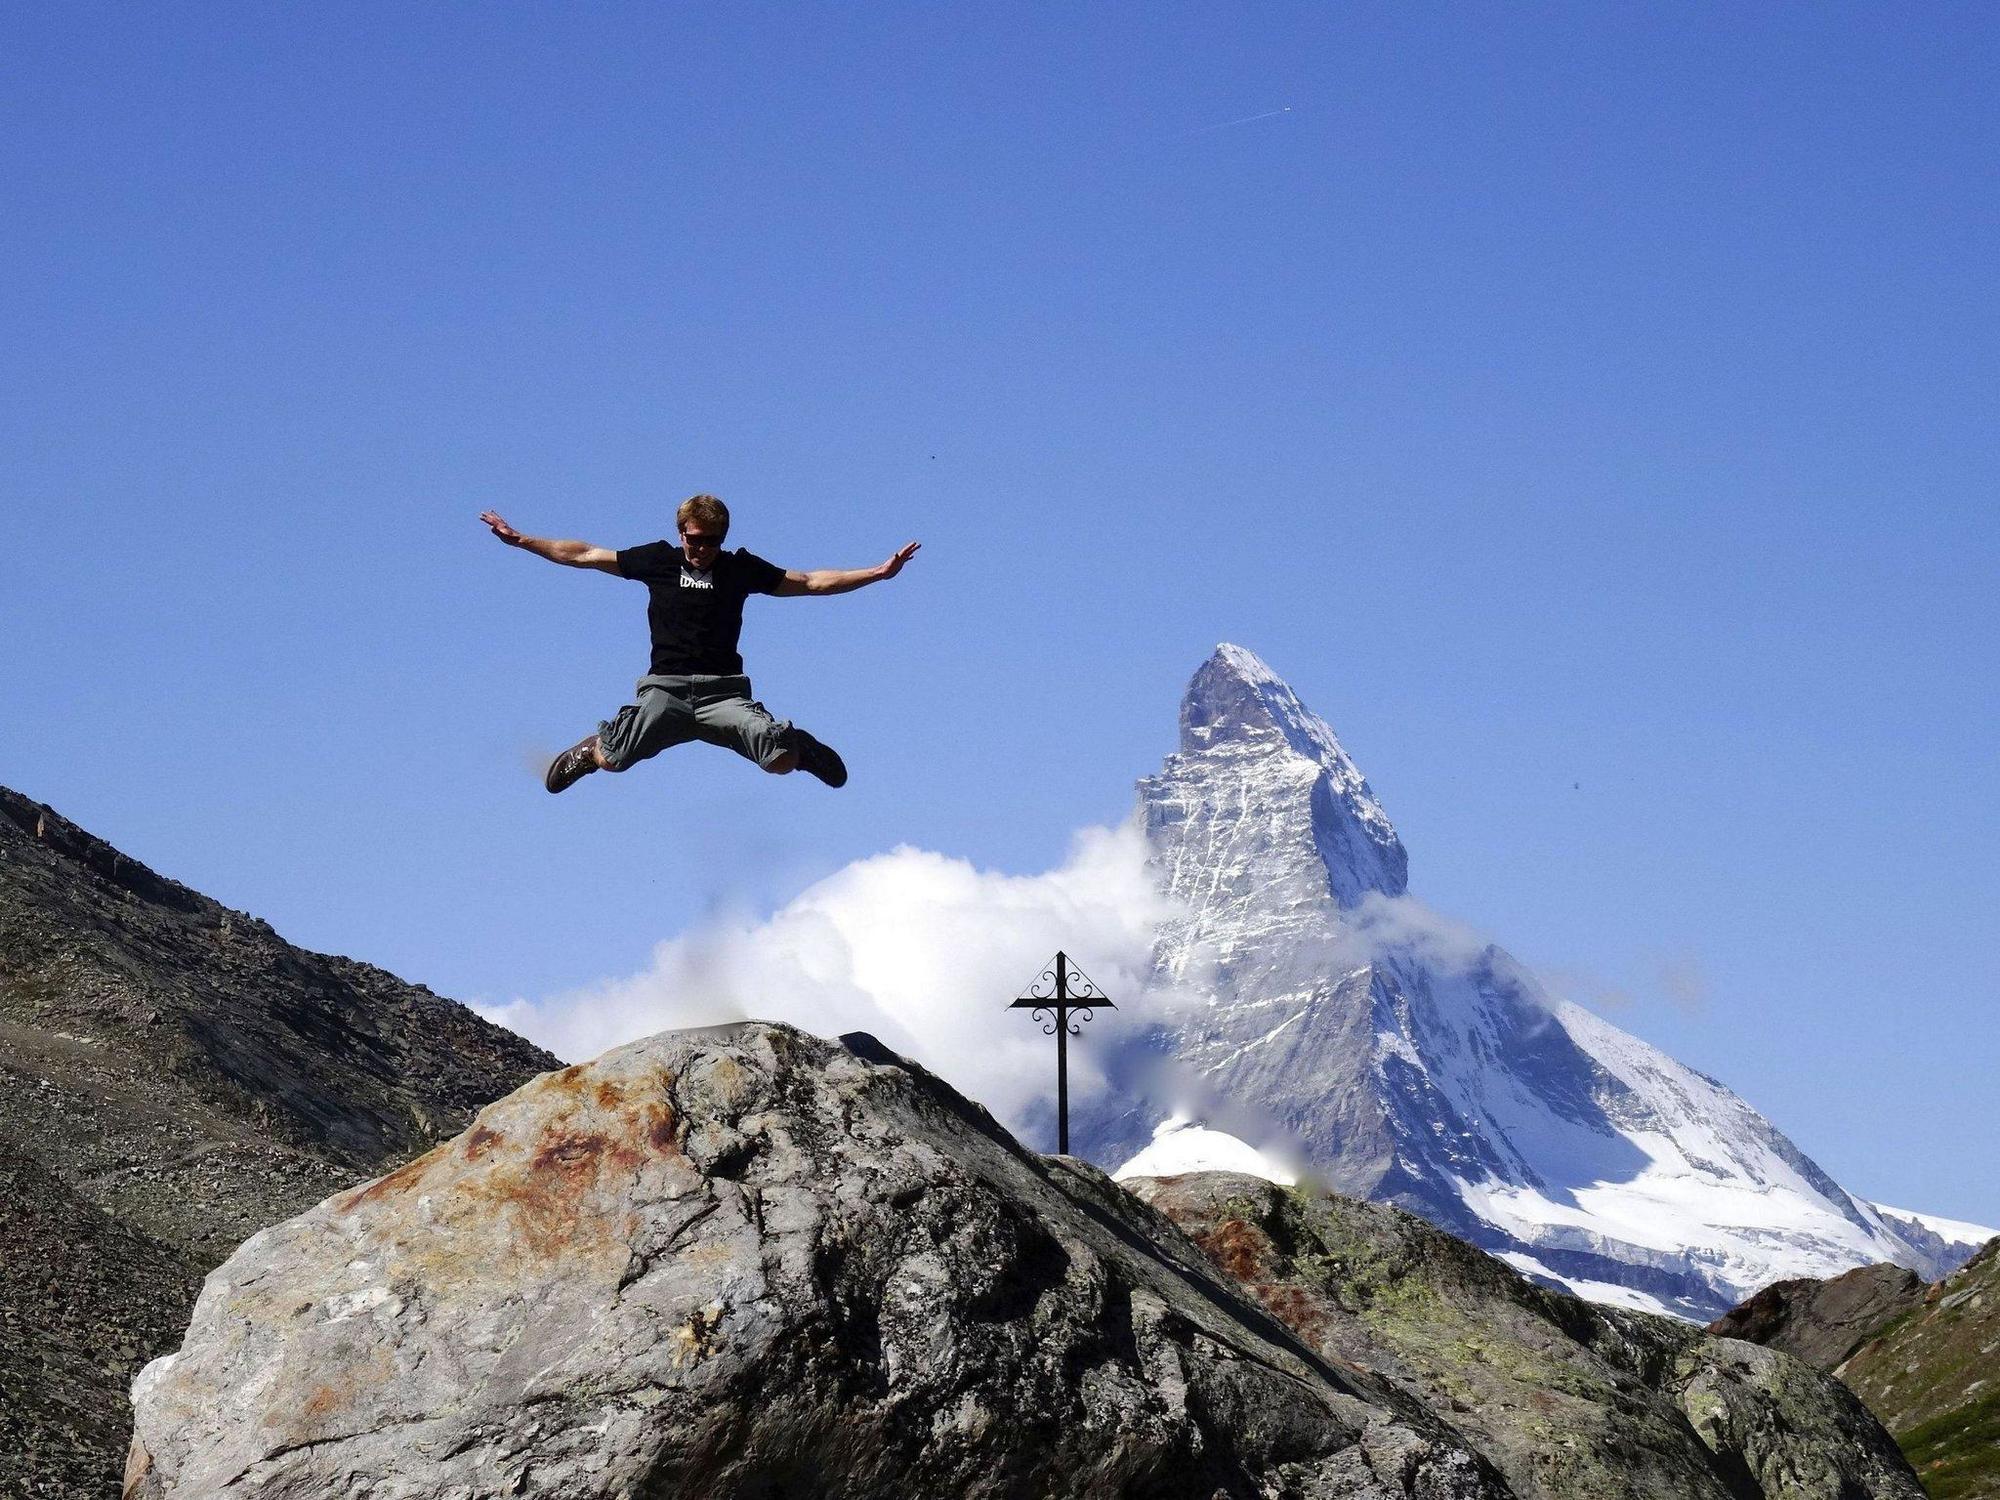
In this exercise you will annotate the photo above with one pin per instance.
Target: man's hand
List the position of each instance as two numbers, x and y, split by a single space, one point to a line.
823 581
500 527
569 554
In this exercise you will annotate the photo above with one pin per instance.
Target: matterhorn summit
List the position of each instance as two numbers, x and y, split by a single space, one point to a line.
1333 1024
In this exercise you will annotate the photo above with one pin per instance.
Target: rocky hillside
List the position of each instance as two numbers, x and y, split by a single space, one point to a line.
83 1301
1566 1398
750 1262
173 1077
1926 1359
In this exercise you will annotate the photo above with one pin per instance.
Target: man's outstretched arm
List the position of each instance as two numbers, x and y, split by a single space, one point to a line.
844 580
569 554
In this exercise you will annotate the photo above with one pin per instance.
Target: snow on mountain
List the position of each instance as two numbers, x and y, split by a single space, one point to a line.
1955 1231
1951 1242
1412 1063
1182 1145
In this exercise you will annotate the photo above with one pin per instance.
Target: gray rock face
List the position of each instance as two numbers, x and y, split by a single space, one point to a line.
1570 1401
1822 1322
1315 832
748 1262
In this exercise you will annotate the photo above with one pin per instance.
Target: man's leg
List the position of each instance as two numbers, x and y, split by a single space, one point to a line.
729 716
661 718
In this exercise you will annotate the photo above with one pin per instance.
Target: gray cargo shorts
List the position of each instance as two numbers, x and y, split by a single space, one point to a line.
673 710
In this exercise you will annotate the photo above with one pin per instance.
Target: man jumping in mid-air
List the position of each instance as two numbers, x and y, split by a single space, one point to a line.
695 688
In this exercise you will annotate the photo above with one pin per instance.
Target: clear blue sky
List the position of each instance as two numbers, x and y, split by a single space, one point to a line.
1590 409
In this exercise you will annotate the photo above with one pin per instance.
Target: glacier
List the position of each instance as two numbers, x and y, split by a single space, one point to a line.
1328 1018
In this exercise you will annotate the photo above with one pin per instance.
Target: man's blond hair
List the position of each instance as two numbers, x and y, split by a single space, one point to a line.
706 509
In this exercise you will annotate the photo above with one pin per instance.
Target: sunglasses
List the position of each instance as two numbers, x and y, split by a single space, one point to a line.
701 538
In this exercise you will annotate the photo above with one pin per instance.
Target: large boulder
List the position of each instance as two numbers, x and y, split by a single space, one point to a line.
1921 1357
750 1262
1823 1322
1571 1401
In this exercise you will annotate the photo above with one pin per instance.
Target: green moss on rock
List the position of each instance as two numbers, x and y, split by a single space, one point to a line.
1570 1401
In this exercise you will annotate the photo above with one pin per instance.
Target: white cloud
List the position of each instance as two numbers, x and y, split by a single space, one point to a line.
1379 927
922 950
926 952
1383 925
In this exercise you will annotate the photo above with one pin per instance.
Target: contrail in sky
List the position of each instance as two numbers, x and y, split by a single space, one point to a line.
1269 114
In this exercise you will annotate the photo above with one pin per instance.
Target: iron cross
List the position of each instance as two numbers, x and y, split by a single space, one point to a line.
1052 991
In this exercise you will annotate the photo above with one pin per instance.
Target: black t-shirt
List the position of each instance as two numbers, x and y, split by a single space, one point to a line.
696 617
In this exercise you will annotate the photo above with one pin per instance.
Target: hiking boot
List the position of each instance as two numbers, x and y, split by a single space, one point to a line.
817 759
573 764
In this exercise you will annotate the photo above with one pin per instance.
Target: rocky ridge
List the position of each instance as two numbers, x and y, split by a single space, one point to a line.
1566 1398
84 1300
173 1077
747 1261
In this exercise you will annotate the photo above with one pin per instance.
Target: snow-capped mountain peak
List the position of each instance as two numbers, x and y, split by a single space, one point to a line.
1248 742
1236 697
1408 1063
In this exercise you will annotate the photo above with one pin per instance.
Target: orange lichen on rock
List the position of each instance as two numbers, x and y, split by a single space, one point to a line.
535 1176
567 1151
1238 1248
1298 1309
398 1181
660 1125
322 1401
